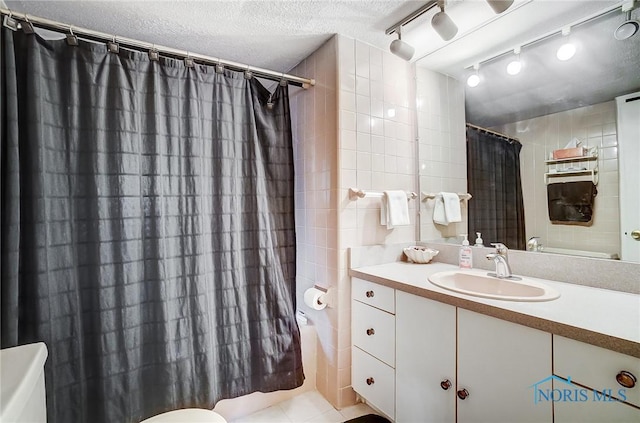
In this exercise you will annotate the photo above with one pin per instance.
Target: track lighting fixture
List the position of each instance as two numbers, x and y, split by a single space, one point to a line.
400 48
514 67
443 25
474 79
499 6
566 50
627 29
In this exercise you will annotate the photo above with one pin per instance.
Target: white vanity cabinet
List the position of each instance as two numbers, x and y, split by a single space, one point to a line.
606 380
373 337
496 363
425 360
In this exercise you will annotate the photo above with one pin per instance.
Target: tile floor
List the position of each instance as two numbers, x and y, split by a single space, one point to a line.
310 407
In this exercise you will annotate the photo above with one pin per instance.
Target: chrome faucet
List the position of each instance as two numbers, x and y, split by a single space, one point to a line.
501 259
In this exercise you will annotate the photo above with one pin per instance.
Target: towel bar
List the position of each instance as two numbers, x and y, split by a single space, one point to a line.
463 196
355 193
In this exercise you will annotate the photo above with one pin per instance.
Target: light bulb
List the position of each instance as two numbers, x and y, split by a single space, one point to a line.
473 80
566 51
514 67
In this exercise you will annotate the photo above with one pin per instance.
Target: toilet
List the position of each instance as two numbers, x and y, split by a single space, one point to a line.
187 415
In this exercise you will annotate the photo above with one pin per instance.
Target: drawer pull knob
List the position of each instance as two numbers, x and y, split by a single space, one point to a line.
626 379
370 381
369 294
463 393
370 331
445 384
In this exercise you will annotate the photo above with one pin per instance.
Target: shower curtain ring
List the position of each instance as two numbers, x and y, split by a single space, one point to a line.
10 23
188 61
71 38
283 81
248 74
27 26
154 54
219 67
113 46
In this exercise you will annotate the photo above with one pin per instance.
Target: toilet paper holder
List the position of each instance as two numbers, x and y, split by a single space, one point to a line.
317 297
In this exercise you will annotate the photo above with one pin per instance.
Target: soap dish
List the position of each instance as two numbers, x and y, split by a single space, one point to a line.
418 254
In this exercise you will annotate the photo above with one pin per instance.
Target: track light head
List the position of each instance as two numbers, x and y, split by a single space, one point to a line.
499 6
400 48
474 79
443 25
627 29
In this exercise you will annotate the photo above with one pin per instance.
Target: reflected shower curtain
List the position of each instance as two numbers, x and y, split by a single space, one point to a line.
147 230
493 177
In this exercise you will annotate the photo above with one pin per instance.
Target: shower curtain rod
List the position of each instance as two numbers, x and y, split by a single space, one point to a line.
172 52
489 131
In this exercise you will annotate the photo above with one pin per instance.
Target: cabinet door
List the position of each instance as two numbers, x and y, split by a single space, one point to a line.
498 364
425 357
588 407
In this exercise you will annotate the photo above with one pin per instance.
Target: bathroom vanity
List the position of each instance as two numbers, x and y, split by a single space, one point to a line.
424 353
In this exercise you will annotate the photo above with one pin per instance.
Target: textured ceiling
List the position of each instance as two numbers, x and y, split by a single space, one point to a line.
271 34
278 34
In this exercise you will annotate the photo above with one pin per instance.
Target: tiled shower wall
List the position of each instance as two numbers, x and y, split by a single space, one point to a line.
442 155
594 126
314 120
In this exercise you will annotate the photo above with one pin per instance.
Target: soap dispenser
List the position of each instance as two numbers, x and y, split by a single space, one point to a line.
479 242
466 255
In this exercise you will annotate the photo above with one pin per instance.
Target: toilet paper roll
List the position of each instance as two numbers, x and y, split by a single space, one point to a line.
313 298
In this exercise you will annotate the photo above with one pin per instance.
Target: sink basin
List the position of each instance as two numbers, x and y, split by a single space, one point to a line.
479 284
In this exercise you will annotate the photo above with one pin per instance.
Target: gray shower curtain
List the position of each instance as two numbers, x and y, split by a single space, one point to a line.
493 178
147 230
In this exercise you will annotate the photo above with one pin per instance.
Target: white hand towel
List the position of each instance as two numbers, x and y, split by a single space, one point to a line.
452 207
447 208
439 216
394 210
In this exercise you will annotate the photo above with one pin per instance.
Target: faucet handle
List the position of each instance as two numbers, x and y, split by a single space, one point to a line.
500 248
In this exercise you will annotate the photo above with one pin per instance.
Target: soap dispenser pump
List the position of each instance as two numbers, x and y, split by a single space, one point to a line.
479 242
466 255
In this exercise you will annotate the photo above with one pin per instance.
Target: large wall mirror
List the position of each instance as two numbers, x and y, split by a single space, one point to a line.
551 103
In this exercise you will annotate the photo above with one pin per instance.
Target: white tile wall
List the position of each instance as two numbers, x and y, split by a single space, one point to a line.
442 155
314 115
594 126
376 152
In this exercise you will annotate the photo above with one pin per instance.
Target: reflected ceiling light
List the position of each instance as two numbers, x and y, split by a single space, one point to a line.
474 79
400 48
566 50
499 6
443 24
515 66
627 29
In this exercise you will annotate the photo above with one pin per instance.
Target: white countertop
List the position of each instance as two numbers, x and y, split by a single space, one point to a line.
607 318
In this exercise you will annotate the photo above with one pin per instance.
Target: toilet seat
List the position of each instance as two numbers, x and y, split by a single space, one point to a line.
187 415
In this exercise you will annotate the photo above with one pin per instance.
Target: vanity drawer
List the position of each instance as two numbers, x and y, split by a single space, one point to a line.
374 381
373 294
595 367
374 331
